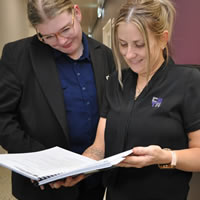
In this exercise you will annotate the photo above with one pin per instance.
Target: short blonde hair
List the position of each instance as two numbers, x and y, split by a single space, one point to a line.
155 16
40 10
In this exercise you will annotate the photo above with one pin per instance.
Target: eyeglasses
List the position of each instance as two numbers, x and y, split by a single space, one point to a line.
67 31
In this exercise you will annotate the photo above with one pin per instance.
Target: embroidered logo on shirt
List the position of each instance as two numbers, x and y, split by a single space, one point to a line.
156 102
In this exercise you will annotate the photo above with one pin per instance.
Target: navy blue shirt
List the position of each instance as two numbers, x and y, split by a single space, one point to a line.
80 97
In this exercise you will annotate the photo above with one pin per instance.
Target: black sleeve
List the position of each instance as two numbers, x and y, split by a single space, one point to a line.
105 105
191 105
12 136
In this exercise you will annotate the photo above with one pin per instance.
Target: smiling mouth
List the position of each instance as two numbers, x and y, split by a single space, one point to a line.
67 45
136 61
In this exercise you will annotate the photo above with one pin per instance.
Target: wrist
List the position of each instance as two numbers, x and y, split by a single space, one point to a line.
172 163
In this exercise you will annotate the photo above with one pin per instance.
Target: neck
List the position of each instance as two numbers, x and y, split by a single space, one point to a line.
144 78
77 54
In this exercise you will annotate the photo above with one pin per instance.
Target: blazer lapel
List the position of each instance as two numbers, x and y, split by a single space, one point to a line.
96 58
47 75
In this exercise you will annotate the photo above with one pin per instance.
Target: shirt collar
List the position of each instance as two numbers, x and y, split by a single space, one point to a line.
85 48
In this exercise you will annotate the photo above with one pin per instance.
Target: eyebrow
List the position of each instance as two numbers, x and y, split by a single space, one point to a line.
56 32
135 41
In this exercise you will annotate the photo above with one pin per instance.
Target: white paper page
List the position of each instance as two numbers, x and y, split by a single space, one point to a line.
116 159
43 163
91 168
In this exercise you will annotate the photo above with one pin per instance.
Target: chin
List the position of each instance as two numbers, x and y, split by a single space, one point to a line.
136 69
65 50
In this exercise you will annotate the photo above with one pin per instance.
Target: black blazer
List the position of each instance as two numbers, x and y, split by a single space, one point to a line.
32 113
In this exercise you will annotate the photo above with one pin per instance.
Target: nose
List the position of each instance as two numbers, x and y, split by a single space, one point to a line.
61 40
130 53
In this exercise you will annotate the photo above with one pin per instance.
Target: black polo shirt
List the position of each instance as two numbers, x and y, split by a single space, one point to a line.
164 113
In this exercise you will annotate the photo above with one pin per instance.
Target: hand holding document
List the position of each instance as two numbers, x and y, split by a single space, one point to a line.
56 163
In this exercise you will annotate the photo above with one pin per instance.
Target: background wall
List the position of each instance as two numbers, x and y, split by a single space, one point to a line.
110 11
186 40
13 21
186 36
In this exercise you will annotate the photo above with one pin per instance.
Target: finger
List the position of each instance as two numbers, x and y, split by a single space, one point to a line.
68 182
140 151
149 150
126 165
71 181
57 184
76 180
51 185
36 184
42 187
134 161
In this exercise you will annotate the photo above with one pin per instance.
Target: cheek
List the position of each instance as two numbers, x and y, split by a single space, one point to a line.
122 51
53 46
155 52
155 49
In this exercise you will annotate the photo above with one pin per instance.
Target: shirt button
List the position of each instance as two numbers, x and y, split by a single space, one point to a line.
83 88
88 103
89 119
78 74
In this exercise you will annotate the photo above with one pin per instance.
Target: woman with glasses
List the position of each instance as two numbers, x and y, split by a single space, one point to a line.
51 90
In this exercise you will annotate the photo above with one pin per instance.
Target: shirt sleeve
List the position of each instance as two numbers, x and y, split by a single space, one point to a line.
191 110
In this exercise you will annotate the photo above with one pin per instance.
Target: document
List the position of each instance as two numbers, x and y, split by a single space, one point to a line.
56 163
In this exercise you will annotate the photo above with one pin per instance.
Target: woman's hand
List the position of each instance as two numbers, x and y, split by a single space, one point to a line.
145 156
35 183
68 182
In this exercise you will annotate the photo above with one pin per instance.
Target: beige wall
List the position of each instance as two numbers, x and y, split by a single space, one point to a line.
110 11
2 150
13 21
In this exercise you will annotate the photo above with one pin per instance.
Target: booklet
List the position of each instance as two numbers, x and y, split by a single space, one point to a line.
56 163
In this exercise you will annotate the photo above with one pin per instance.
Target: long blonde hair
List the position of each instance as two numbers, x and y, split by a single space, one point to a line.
153 15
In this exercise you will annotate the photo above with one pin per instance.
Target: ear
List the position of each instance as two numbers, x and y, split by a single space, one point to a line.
164 39
77 12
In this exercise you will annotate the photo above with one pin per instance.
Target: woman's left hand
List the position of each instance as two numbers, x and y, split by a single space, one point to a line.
145 156
68 182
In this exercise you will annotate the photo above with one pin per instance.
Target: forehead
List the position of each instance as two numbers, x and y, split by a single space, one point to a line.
55 24
128 30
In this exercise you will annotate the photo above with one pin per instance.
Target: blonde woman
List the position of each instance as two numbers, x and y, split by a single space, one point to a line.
152 107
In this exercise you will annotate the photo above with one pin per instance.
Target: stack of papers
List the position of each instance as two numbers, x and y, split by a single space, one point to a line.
56 163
